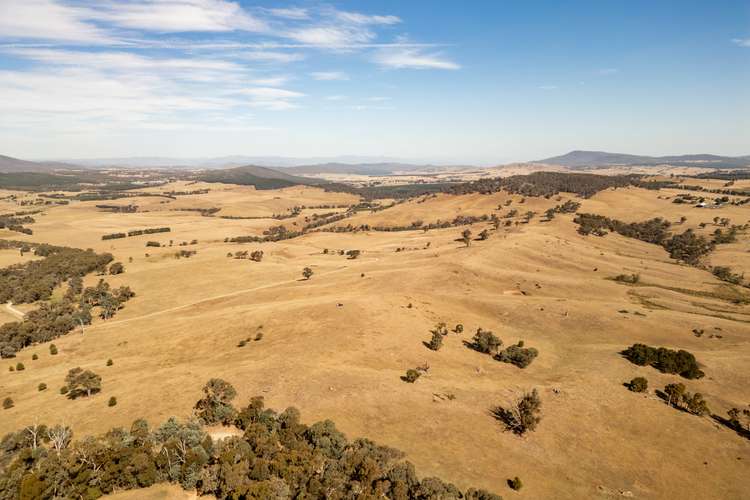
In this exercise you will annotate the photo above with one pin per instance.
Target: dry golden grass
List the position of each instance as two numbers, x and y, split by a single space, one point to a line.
336 345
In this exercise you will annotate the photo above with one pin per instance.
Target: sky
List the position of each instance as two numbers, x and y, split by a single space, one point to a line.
483 82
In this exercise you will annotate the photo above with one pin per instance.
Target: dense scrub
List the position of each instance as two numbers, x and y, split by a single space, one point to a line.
686 246
665 360
54 319
276 457
35 280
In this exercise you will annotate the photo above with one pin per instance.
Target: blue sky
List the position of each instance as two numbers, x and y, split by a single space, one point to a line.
481 82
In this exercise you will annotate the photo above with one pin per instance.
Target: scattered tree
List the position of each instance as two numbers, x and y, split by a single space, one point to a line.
638 384
82 382
523 415
216 404
307 273
485 341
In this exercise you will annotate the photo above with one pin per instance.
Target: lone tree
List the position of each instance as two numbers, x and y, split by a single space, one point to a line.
466 237
216 404
523 415
82 382
307 273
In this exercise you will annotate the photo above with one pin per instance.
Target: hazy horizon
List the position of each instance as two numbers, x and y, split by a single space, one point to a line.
429 82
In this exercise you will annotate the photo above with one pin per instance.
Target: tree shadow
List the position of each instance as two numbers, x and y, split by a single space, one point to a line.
741 431
506 417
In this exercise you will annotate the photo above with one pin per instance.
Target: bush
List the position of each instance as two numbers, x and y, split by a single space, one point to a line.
628 278
307 273
459 328
20 367
665 360
34 357
638 384
515 483
110 362
518 355
485 341
116 268
53 349
8 403
42 387
411 375
112 401
436 342
64 389
523 415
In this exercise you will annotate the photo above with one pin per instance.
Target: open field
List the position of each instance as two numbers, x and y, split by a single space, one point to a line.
335 346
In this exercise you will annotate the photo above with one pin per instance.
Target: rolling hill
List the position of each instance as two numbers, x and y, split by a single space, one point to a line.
10 164
260 177
582 159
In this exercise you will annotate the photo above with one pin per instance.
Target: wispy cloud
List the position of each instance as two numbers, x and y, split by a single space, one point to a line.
548 87
329 75
742 42
608 71
357 18
48 20
336 98
272 56
413 58
272 98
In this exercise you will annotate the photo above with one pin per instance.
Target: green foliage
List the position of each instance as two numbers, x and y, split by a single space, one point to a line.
216 404
665 360
518 355
638 384
515 483
725 273
688 247
628 278
411 375
523 415
34 357
277 457
485 341
34 280
436 342
116 268
64 389
20 367
80 382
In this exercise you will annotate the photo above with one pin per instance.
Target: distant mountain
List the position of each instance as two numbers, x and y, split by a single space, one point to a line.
228 161
387 168
8 164
582 159
260 177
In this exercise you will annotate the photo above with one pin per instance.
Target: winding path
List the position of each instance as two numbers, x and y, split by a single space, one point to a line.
15 312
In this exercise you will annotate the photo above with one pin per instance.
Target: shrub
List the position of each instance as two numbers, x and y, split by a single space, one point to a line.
11 369
436 342
628 278
695 404
53 349
518 355
8 403
638 384
112 401
64 389
256 255
42 387
34 357
466 237
110 362
20 367
665 360
307 273
411 375
258 336
485 341
515 483
116 268
459 328
153 244
523 415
